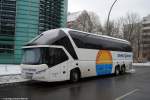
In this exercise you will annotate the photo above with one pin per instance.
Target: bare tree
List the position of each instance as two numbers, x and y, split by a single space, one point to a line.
96 24
128 28
132 29
85 23
88 22
130 23
114 28
108 30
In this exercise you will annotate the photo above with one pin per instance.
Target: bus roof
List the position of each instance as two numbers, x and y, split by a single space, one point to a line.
44 37
104 36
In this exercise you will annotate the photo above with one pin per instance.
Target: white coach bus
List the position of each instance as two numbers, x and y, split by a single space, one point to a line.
66 54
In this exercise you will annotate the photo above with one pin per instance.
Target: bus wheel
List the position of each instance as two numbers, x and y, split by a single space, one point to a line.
74 76
123 69
117 70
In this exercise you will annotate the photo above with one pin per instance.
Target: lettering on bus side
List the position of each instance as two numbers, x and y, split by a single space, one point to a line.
124 55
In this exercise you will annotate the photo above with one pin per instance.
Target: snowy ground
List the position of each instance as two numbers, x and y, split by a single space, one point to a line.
9 69
141 64
11 79
10 74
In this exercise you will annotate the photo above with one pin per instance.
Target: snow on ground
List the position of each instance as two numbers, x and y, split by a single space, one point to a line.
141 64
9 69
11 79
10 74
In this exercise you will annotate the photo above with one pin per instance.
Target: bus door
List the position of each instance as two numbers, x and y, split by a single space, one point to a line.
57 60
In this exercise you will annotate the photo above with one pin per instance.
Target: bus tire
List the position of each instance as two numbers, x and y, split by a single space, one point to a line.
117 70
123 69
75 76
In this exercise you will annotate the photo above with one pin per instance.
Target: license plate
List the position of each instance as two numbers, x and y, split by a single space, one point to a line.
29 75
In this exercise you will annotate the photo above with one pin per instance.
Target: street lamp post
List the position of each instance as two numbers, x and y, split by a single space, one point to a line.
109 15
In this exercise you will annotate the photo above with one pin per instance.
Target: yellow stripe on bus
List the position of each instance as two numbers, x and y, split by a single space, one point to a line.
104 57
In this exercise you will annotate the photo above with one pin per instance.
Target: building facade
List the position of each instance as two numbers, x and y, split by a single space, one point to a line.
79 20
22 20
84 21
146 38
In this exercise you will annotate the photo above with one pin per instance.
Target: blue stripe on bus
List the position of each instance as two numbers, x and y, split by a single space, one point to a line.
103 69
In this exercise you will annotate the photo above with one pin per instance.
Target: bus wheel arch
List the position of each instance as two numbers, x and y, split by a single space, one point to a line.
117 70
75 75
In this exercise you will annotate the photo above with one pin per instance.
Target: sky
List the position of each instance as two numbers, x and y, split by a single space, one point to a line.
101 7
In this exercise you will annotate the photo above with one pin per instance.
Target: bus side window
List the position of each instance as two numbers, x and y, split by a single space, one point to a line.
55 56
65 42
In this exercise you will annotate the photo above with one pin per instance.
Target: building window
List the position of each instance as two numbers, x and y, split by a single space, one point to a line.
7 25
5 48
50 14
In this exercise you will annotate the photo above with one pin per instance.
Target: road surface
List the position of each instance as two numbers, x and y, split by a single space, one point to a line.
134 86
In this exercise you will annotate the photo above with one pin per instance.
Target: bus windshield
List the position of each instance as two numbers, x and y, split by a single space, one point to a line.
44 55
31 56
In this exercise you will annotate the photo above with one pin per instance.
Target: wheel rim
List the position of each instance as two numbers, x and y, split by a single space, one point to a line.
123 70
117 71
75 76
